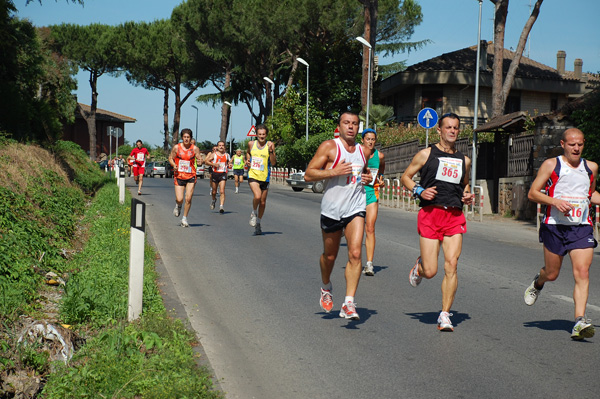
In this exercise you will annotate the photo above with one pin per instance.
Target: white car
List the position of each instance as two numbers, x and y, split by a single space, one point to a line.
297 182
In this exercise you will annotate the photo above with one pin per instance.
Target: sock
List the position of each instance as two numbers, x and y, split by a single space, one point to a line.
221 206
327 287
184 219
536 286
349 299
369 263
579 318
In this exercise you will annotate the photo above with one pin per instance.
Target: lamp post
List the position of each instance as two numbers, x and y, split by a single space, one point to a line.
366 43
272 96
196 108
302 61
476 109
230 132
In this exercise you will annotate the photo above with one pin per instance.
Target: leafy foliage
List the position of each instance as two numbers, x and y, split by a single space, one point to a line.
588 121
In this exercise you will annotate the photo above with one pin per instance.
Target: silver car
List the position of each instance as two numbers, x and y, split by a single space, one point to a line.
297 182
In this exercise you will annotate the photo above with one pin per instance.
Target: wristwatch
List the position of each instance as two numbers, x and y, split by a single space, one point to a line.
417 190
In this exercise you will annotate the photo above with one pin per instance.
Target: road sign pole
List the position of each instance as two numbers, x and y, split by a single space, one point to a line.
136 258
427 139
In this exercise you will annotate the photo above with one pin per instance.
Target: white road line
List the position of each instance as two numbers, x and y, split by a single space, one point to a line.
570 300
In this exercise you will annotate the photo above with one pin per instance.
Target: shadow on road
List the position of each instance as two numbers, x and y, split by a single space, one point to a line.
551 325
431 317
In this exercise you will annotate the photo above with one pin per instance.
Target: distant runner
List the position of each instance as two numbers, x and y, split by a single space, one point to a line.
238 169
138 156
220 162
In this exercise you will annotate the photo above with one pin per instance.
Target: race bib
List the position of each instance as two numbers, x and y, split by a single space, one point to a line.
184 166
221 168
140 157
355 178
237 161
257 164
579 212
449 170
374 175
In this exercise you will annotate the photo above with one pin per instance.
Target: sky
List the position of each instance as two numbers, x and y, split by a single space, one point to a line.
450 25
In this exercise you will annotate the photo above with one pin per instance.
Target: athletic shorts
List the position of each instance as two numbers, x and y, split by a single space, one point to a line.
560 239
138 170
238 172
329 225
436 223
264 185
372 195
184 182
217 177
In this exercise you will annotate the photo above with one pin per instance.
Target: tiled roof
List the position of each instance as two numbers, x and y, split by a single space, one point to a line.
102 114
465 60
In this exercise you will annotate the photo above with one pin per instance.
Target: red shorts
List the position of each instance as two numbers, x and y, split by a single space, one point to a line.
137 170
436 223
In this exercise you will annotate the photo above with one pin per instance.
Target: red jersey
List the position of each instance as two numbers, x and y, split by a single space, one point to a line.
140 155
186 162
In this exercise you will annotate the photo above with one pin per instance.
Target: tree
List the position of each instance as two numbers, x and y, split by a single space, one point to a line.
91 48
501 90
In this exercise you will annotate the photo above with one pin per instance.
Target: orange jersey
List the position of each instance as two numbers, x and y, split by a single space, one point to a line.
222 160
186 162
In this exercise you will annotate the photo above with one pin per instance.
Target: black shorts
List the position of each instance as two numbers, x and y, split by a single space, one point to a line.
217 177
184 182
560 239
238 172
264 185
329 225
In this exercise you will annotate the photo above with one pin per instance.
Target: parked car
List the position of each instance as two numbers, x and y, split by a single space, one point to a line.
148 169
297 182
200 170
159 169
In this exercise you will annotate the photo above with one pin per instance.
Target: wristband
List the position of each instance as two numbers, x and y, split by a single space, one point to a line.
417 190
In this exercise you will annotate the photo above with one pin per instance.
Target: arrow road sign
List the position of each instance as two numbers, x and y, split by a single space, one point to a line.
427 118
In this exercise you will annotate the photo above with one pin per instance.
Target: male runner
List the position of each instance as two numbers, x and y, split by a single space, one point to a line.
183 159
343 163
219 161
138 156
570 184
376 165
443 190
260 157
238 168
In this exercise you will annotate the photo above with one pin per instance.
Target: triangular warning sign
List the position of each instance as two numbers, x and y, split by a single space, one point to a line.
252 132
336 132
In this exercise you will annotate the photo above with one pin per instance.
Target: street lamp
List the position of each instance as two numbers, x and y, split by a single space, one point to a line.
272 95
476 111
302 61
366 43
230 132
196 108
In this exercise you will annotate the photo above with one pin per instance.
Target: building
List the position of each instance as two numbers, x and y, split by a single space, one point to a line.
106 121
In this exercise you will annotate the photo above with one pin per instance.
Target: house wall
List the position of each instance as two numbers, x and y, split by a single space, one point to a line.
78 133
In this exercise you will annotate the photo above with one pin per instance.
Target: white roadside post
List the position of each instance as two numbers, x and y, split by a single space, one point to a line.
121 185
136 258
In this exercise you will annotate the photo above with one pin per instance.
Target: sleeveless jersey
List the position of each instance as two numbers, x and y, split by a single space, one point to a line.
185 159
221 160
572 185
260 164
140 155
373 165
446 172
238 162
345 195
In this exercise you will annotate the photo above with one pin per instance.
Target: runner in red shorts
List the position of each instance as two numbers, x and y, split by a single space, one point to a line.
443 190
138 157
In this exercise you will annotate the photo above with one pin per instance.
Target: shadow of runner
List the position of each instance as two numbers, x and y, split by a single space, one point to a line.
551 325
431 317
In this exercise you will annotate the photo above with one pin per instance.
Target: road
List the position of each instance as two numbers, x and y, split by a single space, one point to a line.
253 302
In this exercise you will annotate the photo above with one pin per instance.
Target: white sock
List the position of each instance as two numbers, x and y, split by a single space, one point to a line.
349 299
184 219
327 287
369 263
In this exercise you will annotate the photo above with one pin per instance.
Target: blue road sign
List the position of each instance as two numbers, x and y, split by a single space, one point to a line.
427 118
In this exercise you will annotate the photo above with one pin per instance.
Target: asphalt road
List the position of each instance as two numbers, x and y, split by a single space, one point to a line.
253 302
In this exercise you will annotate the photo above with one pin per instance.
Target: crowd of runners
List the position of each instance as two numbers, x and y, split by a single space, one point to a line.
349 208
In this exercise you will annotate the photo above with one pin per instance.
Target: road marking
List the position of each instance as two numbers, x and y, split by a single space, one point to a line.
570 300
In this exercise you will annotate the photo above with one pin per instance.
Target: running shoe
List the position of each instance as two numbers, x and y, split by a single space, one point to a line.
236 190
184 223
139 192
444 323
176 211
368 270
252 219
413 278
532 293
326 301
212 204
257 230
221 210
348 311
582 329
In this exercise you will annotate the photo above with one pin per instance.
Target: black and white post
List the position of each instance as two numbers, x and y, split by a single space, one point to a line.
136 258
122 185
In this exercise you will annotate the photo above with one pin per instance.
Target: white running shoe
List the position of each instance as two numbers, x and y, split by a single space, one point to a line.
413 278
348 311
582 329
368 270
176 211
444 323
532 293
253 219
184 223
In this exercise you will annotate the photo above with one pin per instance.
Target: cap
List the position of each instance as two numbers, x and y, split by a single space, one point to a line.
369 130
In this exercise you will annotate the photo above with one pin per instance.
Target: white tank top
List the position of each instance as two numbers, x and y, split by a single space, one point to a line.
345 195
572 185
